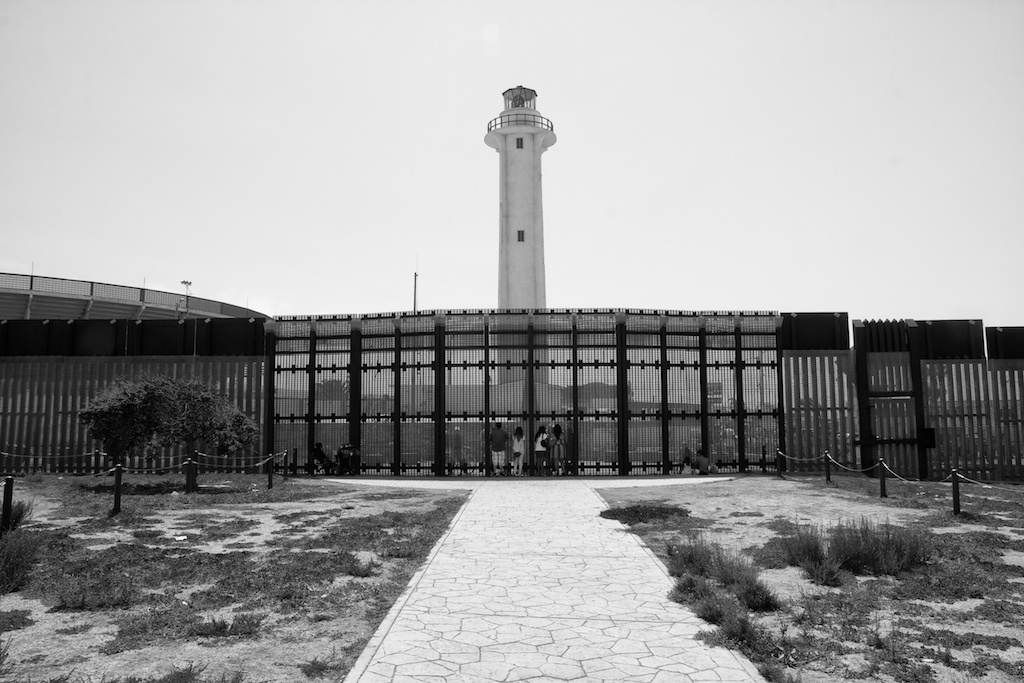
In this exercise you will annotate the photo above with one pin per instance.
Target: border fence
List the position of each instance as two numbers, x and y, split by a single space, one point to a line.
636 392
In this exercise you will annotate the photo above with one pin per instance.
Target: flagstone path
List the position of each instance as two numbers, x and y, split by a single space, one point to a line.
531 584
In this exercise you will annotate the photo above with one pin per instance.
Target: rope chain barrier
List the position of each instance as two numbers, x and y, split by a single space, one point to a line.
981 483
151 470
135 470
890 471
789 457
851 469
89 454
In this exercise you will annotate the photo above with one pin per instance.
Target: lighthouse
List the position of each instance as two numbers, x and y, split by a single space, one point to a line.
520 135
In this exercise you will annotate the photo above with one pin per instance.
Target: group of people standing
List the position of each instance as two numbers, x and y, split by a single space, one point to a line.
546 455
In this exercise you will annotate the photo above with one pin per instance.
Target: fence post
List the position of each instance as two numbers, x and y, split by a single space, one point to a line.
828 467
956 491
780 464
881 478
270 471
190 476
117 489
8 505
97 466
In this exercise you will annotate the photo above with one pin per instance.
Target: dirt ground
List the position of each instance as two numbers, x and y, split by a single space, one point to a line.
738 512
69 642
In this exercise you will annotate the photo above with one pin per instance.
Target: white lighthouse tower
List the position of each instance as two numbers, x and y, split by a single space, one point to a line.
520 136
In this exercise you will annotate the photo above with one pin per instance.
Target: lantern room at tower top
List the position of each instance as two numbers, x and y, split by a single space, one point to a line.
517 100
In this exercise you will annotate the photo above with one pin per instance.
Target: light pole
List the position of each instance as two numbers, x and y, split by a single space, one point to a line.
188 293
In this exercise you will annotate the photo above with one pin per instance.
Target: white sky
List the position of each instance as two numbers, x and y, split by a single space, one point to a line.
303 156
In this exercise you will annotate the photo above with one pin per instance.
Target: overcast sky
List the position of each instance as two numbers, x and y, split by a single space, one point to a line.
306 157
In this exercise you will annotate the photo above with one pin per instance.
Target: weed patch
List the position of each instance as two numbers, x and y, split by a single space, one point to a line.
93 591
695 556
168 621
859 548
645 513
12 620
18 552
320 668
245 624
20 512
191 673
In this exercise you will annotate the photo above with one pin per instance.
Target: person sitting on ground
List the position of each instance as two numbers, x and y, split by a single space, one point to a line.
321 462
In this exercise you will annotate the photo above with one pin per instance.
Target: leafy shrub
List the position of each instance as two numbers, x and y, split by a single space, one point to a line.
18 552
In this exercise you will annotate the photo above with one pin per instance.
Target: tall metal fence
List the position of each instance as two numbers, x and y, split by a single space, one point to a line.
41 399
635 392
51 370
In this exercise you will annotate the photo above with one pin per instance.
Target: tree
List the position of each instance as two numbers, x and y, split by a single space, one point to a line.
166 411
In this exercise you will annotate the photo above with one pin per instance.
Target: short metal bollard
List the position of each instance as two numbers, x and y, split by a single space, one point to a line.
118 470
191 485
828 467
780 464
956 491
8 505
270 471
881 478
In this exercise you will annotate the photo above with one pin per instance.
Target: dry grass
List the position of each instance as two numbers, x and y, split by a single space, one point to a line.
900 603
233 566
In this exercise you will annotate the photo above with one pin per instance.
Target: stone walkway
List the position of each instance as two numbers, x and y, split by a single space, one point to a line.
531 584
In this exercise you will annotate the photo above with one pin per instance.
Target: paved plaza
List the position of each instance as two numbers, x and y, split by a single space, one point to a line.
531 584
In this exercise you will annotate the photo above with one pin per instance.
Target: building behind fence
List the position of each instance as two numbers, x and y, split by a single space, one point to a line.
636 392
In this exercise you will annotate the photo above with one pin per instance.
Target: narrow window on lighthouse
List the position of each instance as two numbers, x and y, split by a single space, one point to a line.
519 143
521 235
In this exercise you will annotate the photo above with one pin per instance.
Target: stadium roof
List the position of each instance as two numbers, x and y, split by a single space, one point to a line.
33 297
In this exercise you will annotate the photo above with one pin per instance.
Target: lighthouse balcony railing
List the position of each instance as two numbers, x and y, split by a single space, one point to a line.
520 120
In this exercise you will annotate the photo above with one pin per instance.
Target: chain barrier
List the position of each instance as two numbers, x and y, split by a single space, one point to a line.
889 470
955 477
789 457
149 470
851 469
89 454
33 459
157 470
991 486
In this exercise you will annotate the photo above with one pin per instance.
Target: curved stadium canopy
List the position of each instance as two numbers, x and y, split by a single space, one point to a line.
33 297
